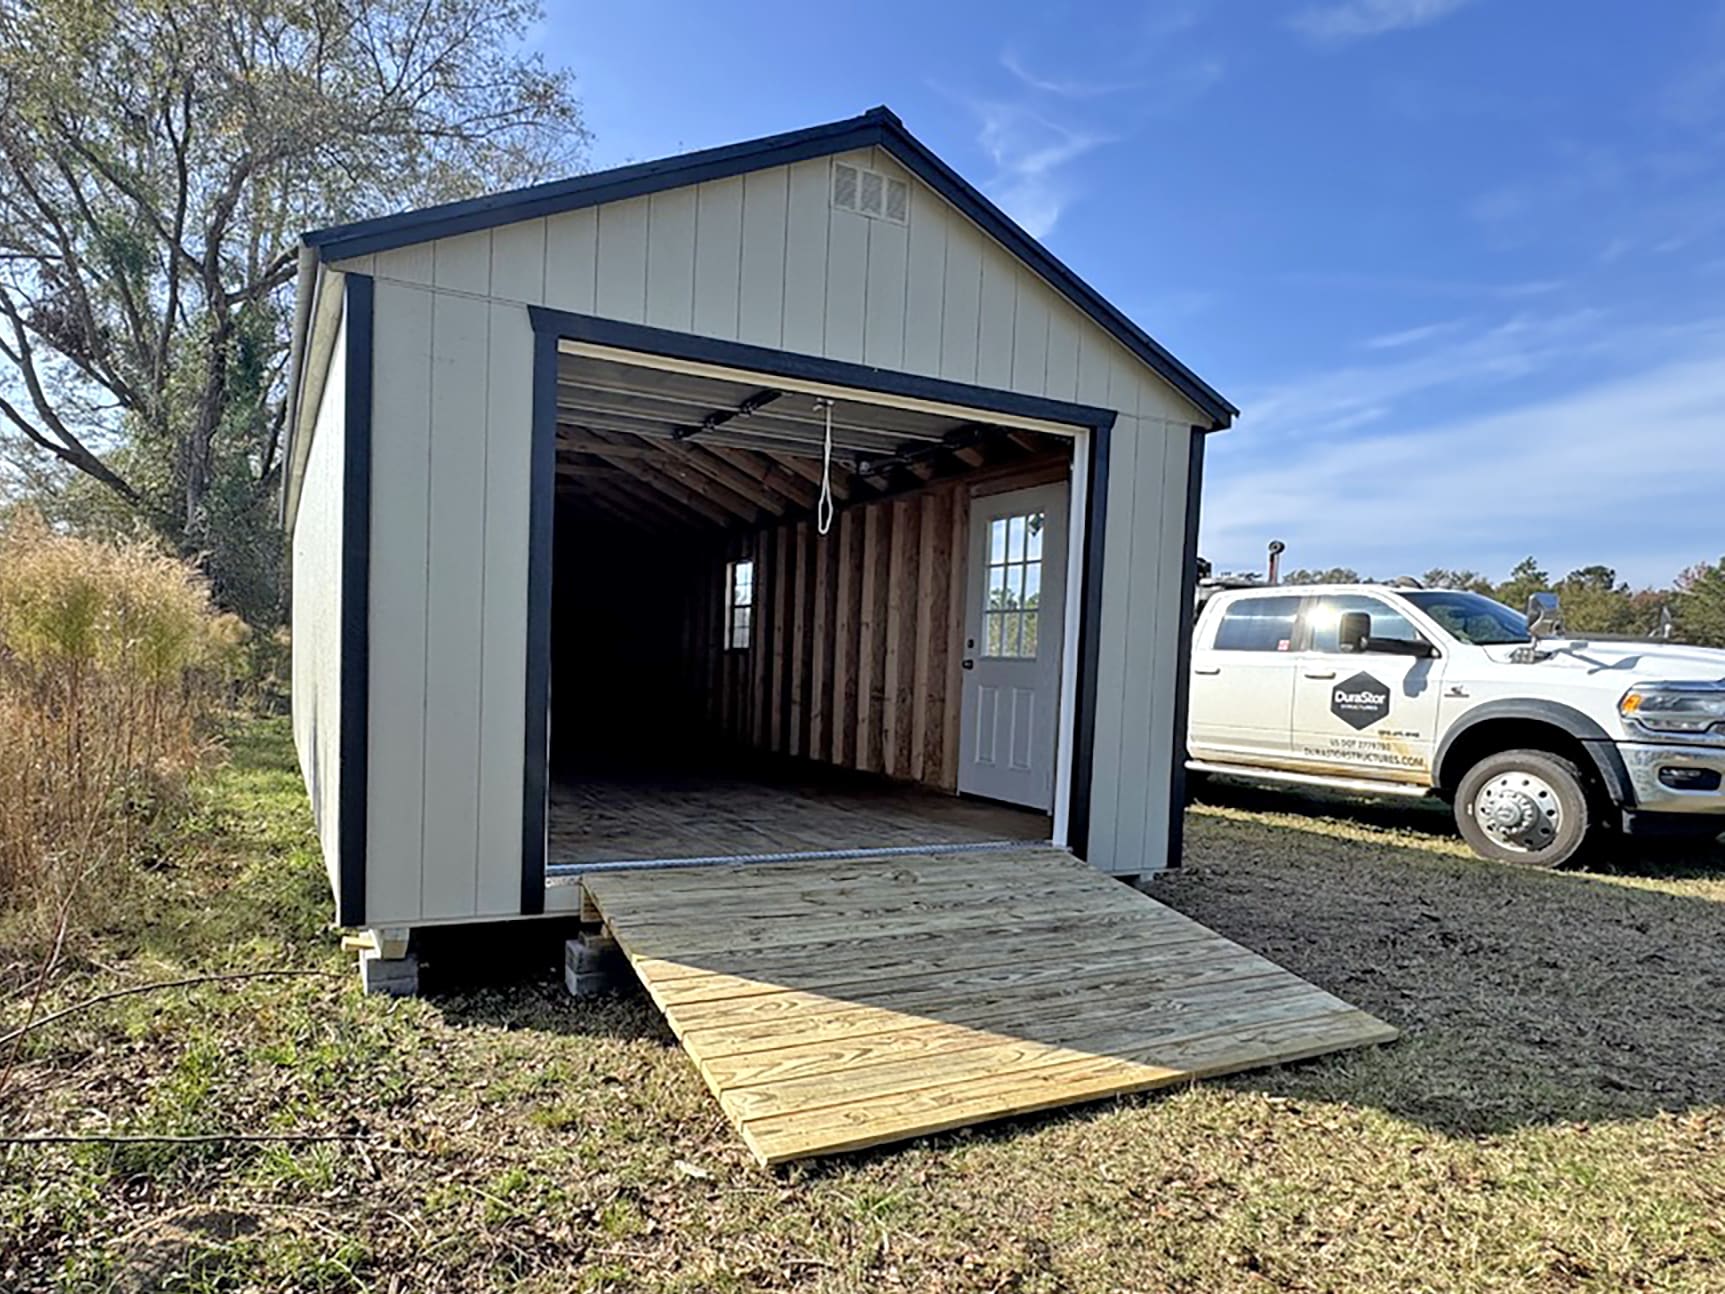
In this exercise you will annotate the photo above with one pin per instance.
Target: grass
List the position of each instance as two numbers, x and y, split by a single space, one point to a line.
112 663
1553 1118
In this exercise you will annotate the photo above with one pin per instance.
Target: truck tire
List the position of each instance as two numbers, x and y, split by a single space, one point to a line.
1528 807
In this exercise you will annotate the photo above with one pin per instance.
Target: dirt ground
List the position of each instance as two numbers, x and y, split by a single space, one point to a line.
1540 995
1553 1117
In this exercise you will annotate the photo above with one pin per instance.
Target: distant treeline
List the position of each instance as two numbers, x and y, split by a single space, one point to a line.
1594 599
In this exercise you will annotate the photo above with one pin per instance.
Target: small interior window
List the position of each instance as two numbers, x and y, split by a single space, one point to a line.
739 604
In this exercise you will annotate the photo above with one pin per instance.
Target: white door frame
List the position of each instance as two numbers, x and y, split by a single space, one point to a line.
1066 730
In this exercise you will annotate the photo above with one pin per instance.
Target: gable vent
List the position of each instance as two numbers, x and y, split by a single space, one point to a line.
845 187
871 201
870 193
897 201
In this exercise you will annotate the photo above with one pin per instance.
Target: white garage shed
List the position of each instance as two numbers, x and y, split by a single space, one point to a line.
782 500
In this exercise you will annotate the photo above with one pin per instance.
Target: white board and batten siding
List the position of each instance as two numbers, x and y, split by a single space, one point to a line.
317 557
764 259
451 440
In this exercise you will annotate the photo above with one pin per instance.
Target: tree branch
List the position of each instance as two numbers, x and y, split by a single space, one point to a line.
70 449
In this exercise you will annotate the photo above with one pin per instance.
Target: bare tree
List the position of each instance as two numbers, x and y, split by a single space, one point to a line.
157 162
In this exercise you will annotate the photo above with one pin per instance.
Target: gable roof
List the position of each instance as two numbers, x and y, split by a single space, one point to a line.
878 127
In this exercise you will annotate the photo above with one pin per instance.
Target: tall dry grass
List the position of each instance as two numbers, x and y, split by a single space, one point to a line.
113 665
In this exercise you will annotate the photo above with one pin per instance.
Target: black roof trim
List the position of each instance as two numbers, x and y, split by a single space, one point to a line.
810 368
876 127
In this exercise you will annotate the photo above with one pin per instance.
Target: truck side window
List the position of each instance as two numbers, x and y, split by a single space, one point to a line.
1258 624
1325 619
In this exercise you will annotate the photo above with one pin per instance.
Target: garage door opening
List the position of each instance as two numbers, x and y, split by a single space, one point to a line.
727 682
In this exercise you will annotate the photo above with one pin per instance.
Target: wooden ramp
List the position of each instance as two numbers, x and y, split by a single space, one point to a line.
832 1006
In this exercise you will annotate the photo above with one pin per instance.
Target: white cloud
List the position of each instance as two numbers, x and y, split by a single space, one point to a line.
1065 89
1500 206
1414 285
1584 180
1030 154
1623 472
1320 405
1033 135
1411 336
1616 250
1356 19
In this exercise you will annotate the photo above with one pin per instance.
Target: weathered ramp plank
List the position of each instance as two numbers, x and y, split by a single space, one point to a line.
832 1006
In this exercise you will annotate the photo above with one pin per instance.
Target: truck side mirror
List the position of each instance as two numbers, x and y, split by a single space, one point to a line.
1354 630
1544 616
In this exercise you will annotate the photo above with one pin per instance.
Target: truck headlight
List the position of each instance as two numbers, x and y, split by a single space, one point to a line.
1680 708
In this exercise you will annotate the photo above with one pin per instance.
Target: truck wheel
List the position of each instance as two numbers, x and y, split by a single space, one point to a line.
1524 806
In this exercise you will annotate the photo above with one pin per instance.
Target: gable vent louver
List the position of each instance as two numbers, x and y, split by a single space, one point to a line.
870 193
845 187
871 201
897 201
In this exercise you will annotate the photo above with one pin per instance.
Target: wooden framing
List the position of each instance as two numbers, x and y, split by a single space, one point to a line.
859 635
898 676
933 640
873 631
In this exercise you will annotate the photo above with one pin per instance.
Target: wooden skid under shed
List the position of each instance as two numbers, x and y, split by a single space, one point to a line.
832 1006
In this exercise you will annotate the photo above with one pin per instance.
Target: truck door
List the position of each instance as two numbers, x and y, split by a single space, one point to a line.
1243 680
1371 714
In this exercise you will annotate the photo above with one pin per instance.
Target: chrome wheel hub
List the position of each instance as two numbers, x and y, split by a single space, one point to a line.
1519 811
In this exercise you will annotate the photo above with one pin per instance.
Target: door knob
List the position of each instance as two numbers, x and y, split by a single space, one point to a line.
968 663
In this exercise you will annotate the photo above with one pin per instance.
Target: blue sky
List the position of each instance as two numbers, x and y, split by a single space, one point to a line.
1460 262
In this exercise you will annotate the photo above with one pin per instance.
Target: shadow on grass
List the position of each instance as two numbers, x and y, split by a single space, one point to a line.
510 976
1524 996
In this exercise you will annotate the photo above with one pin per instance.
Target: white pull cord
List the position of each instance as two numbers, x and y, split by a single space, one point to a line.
824 507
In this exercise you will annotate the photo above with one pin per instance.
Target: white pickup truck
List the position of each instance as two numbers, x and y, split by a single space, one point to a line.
1541 742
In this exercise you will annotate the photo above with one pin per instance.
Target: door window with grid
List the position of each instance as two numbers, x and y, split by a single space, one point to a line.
739 604
1012 596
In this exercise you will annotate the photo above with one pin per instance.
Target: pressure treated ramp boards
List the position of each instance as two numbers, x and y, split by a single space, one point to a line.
832 1006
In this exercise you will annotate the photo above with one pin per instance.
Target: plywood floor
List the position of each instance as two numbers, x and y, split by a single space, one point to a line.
836 1006
703 813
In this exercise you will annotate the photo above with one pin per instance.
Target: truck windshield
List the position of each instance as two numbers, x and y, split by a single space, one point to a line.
1472 618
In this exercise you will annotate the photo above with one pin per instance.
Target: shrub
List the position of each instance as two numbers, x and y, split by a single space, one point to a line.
113 664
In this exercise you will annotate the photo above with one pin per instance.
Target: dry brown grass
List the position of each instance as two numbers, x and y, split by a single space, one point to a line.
112 662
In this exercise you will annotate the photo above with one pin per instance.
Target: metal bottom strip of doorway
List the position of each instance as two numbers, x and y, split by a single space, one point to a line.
564 871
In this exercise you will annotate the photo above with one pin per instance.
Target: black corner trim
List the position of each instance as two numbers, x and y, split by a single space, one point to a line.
878 127
355 736
1599 744
541 515
1089 640
1183 651
810 368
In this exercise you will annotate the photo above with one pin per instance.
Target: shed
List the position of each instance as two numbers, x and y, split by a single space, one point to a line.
566 594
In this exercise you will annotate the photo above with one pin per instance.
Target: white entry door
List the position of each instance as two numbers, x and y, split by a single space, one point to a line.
1014 626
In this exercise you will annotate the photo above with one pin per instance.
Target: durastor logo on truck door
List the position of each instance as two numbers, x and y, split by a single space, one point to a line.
1360 701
